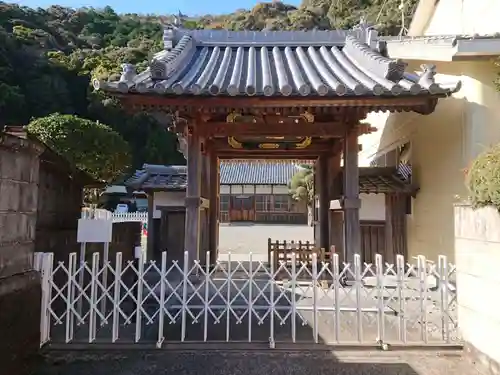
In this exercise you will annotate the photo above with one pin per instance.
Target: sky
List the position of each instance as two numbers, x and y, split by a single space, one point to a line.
189 7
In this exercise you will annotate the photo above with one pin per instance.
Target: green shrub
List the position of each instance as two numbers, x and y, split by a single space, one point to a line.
90 146
483 179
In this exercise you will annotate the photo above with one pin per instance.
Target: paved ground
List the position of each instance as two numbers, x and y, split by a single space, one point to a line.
255 363
241 239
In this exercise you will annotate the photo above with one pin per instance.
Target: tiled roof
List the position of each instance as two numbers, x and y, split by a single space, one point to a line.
172 177
300 63
380 180
256 173
372 180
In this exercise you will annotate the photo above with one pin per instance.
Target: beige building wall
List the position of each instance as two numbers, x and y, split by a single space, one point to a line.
167 199
443 145
467 17
477 255
372 207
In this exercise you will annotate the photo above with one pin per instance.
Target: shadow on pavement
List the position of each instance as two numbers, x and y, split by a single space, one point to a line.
250 363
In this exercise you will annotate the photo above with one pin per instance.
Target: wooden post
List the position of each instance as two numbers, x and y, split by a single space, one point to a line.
324 202
351 201
150 237
213 222
389 230
193 199
395 226
205 189
336 217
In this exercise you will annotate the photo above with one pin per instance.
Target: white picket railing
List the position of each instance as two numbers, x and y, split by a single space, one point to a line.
185 301
117 217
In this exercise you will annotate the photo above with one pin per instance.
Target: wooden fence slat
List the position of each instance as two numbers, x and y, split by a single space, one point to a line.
282 253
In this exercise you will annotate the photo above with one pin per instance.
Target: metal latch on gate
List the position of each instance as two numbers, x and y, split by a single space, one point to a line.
383 346
272 344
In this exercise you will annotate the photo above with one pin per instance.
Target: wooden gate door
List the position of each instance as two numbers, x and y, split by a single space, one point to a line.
242 208
172 234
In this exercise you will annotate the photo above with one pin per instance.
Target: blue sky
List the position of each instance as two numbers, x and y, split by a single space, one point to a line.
189 7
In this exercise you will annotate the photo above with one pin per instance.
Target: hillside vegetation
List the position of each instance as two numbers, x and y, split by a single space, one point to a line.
48 57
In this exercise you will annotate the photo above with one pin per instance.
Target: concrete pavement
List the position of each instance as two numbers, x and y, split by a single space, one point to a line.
164 362
241 239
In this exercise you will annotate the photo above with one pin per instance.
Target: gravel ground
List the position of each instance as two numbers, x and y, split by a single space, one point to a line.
255 363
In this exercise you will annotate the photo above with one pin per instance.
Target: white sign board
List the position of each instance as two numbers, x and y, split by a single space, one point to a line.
94 230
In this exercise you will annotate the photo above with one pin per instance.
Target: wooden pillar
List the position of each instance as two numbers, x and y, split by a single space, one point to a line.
150 237
214 206
204 211
351 201
193 199
389 230
336 217
324 201
395 226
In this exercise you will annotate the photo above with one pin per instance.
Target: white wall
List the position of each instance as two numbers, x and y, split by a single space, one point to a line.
251 189
477 256
167 198
372 207
466 17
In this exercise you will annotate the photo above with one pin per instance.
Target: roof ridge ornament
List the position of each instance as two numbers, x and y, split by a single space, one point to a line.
390 69
427 78
362 24
369 34
127 77
166 63
171 29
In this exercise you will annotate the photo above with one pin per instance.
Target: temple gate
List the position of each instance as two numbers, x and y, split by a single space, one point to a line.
278 95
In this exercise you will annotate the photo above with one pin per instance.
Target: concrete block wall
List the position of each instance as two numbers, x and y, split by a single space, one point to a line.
477 257
20 290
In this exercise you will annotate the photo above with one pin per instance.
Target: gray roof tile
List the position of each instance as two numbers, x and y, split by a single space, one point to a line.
326 63
152 176
371 179
256 173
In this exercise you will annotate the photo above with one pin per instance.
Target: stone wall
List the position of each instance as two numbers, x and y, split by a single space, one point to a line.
477 257
59 207
19 285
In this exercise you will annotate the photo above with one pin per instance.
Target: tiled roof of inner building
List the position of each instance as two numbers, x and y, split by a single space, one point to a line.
381 180
255 173
372 180
278 63
152 176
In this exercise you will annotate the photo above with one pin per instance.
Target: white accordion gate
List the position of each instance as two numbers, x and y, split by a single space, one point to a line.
315 302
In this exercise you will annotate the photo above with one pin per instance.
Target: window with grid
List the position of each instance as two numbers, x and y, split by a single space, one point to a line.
262 202
281 203
224 202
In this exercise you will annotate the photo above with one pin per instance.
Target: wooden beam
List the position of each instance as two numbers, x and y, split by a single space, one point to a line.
221 145
235 129
201 103
268 155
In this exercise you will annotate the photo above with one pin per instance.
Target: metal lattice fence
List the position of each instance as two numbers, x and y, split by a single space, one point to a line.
315 302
